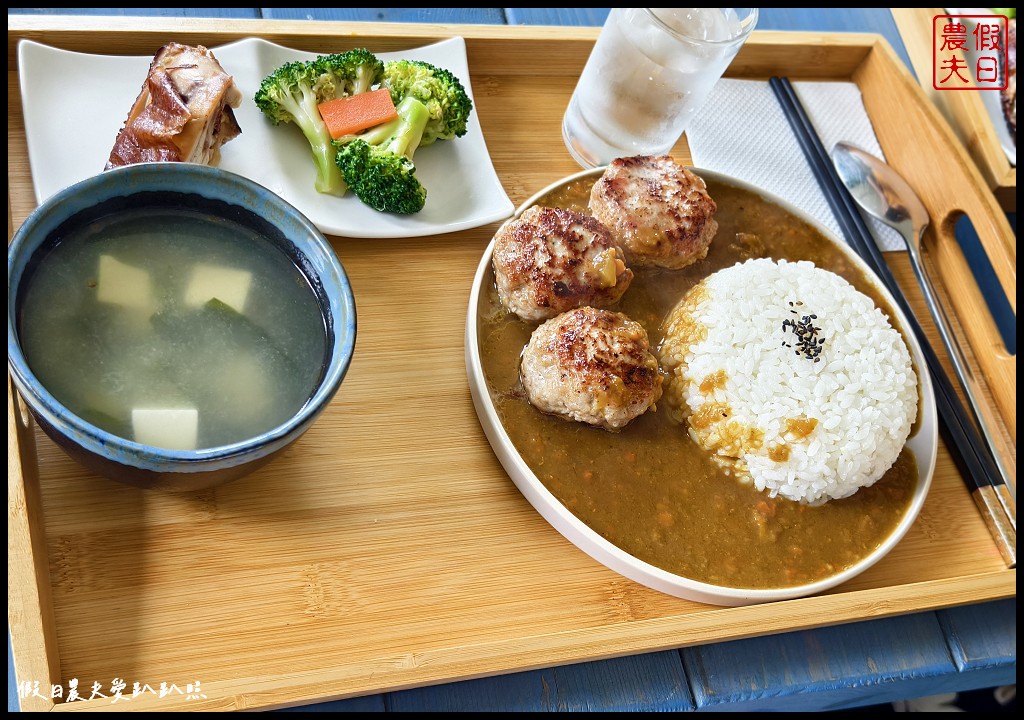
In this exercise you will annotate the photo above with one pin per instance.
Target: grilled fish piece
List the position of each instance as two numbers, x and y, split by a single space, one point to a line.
183 113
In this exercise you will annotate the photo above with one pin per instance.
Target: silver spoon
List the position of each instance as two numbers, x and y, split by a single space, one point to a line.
882 193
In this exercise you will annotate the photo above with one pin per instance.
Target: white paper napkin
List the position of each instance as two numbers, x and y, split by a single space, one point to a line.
741 131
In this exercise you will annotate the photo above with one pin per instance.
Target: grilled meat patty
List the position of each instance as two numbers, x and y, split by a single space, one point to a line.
551 260
659 210
593 366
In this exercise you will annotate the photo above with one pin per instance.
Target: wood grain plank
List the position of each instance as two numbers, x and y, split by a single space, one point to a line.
638 683
519 692
834 19
982 636
654 682
591 17
143 12
985 275
492 49
804 19
388 549
366 703
401 15
830 668
807 19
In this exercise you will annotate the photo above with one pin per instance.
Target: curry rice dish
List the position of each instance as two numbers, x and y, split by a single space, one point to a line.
653 491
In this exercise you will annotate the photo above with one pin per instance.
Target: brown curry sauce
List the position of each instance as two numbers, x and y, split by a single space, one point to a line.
650 489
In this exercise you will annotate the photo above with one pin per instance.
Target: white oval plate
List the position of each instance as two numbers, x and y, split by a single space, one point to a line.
924 445
75 104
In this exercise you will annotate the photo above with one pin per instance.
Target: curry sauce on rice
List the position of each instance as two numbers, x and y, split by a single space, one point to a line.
658 494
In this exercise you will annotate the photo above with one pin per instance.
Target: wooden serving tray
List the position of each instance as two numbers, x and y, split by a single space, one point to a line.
964 110
388 548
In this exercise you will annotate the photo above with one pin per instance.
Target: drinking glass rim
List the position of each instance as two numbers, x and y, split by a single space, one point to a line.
747 26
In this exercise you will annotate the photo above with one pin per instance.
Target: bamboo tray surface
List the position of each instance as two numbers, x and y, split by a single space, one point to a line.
388 548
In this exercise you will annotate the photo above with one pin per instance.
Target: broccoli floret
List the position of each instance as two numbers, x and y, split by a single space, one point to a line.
446 99
348 73
377 164
290 95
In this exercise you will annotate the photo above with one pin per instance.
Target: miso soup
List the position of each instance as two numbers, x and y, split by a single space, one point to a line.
173 328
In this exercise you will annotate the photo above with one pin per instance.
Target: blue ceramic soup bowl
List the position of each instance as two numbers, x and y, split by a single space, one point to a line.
218 194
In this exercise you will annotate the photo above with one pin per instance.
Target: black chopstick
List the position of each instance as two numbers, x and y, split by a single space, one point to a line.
967 447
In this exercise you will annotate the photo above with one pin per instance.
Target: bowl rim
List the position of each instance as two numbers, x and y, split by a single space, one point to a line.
215 184
617 559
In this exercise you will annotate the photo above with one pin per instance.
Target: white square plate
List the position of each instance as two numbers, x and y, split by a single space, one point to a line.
75 104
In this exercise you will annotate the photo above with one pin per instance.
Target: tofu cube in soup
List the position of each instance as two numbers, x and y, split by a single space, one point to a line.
228 285
121 284
169 428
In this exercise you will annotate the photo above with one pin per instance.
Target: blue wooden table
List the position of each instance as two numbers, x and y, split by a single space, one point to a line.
858 664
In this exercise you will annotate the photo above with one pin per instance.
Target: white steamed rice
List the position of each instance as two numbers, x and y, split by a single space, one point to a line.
750 392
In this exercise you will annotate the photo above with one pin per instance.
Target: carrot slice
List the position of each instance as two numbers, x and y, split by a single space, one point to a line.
347 115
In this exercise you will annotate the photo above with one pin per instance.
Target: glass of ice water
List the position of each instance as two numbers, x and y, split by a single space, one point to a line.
648 73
